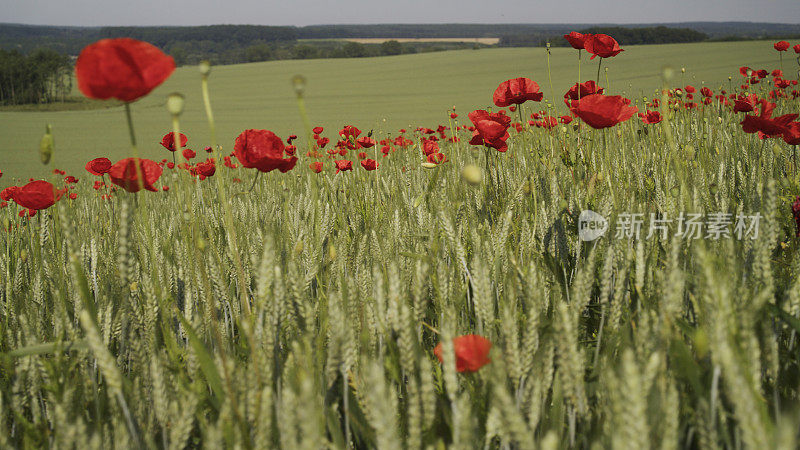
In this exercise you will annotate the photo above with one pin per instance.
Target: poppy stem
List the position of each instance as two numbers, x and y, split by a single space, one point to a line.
138 165
254 182
598 71
130 125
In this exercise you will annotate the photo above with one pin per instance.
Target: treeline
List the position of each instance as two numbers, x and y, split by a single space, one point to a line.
624 35
194 52
42 76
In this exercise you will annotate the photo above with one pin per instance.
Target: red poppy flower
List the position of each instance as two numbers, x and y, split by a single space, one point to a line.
429 147
125 69
600 111
343 164
472 352
263 150
73 196
650 117
323 142
792 134
366 142
781 46
491 130
453 115
189 153
98 166
576 40
369 164
36 195
565 119
125 174
706 92
436 158
765 123
602 45
578 91
349 131
168 141
744 70
317 130
8 193
316 166
796 48
745 104
516 91
207 168
70 179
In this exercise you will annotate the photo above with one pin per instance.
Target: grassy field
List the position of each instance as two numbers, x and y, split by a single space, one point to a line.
384 93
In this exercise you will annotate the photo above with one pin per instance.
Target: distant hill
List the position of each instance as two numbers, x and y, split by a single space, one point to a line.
229 44
70 40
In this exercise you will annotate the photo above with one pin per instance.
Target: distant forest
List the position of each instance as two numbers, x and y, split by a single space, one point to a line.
36 61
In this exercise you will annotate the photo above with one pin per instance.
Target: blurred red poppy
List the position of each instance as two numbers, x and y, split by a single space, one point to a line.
472 352
796 48
765 123
123 68
188 153
125 174
316 166
36 195
343 164
369 164
366 142
98 166
600 111
576 40
516 91
263 150
781 46
650 117
349 131
602 45
206 168
168 141
317 130
8 193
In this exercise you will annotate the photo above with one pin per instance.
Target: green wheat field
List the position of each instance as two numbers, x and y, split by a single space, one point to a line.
303 314
384 94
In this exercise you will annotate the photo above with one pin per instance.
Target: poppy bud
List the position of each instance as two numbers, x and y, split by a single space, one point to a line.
46 145
471 174
428 165
683 69
205 68
175 103
299 84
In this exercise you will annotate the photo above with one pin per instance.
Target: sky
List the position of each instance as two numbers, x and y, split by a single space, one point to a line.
311 12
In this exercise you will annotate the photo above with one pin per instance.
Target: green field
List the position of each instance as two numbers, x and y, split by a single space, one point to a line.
384 93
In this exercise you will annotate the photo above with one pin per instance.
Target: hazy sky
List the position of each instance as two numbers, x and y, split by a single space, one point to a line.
308 12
